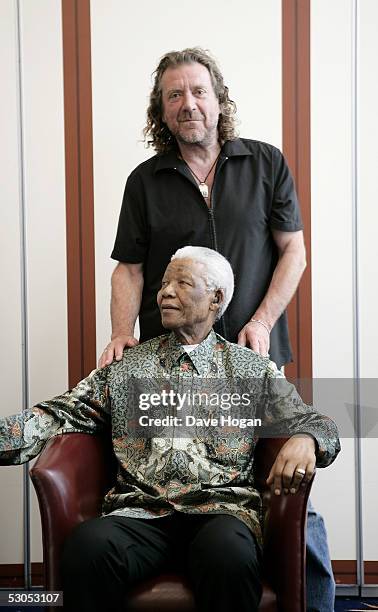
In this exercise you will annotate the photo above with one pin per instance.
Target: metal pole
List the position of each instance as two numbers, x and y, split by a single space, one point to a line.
24 294
356 310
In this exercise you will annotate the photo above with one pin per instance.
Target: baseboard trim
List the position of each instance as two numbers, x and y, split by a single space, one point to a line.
345 590
371 572
12 575
345 572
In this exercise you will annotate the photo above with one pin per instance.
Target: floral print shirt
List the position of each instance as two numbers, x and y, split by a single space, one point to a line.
172 469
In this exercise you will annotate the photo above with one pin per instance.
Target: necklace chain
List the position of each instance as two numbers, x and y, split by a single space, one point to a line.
203 183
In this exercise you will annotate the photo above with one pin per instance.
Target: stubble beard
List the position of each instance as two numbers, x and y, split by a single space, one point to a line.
205 137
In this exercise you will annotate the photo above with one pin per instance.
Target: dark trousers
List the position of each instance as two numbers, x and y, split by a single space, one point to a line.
105 556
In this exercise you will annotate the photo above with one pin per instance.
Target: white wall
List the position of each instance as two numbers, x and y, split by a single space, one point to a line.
337 233
331 218
41 124
10 300
367 159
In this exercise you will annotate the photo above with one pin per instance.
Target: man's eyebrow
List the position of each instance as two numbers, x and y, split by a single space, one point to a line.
186 277
180 89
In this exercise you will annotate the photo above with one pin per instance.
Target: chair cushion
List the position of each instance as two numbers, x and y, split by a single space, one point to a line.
171 593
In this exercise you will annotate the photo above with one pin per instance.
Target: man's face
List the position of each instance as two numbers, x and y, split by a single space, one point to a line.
190 107
184 301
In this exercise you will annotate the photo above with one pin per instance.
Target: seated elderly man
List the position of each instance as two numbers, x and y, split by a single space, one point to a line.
178 499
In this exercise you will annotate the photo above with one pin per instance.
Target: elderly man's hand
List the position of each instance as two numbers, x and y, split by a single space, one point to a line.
294 464
114 350
256 336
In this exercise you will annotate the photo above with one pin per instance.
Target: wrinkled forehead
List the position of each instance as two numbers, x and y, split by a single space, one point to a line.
193 72
185 267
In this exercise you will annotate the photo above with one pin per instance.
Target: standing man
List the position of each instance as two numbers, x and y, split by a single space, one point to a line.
207 187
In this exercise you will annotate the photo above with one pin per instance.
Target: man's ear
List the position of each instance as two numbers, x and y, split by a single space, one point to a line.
217 300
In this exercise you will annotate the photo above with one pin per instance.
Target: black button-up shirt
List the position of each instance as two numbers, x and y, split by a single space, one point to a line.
163 210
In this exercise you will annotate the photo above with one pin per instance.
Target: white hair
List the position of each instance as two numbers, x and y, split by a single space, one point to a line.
219 274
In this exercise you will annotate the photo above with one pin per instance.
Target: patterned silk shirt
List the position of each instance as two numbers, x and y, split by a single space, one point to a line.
158 473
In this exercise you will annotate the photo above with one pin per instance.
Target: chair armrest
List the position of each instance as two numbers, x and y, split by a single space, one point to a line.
70 477
284 532
285 547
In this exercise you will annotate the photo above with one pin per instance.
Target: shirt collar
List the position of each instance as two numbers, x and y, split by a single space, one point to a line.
231 148
171 349
235 148
168 160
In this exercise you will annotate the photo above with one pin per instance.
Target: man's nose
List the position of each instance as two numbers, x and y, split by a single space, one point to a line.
168 290
189 101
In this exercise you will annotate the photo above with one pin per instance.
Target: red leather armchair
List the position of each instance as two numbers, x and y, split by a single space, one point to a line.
75 470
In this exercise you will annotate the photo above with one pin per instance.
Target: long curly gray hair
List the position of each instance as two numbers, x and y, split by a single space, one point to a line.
156 133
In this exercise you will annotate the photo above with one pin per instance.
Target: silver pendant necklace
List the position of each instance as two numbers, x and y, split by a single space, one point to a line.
203 187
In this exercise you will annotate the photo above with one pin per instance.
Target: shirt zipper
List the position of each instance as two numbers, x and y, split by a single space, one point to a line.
213 234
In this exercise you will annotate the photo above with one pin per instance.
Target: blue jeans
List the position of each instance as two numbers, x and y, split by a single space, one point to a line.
319 575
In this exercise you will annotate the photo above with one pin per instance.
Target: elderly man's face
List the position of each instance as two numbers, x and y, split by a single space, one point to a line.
190 106
184 301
